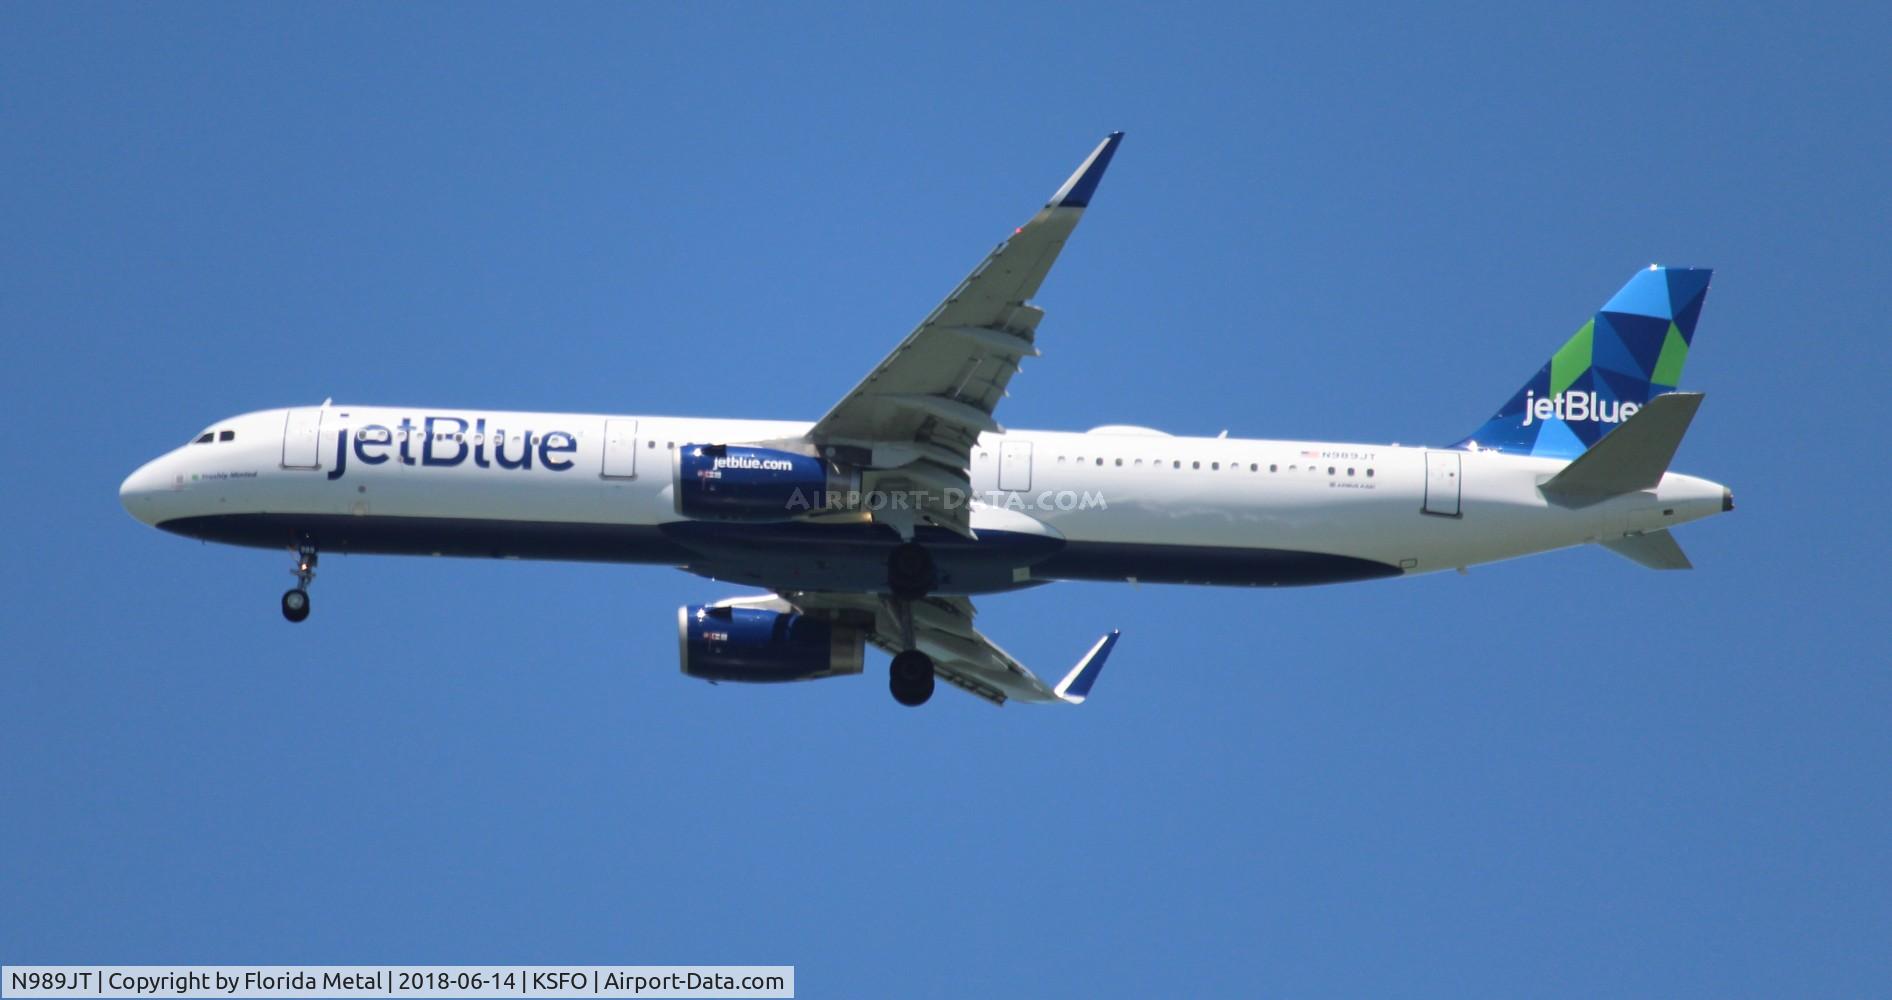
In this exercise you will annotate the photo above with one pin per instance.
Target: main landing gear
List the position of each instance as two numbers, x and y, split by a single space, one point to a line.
295 601
910 575
910 572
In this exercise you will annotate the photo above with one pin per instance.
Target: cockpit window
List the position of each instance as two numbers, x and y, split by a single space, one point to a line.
207 437
227 436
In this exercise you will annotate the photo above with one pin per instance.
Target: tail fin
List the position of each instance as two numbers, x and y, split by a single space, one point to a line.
1631 351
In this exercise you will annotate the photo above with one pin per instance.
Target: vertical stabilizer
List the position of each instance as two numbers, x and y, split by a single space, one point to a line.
1630 352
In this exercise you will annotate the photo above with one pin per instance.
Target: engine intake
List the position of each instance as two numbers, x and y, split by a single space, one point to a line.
757 645
721 482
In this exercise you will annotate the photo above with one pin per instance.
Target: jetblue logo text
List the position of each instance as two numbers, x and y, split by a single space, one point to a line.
1575 406
444 442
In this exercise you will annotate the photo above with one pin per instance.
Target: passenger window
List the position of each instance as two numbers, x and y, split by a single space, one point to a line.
1272 467
1369 473
1215 466
1100 461
1252 467
1195 465
1330 470
1349 470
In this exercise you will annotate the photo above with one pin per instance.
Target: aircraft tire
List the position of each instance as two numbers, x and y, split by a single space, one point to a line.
910 678
295 604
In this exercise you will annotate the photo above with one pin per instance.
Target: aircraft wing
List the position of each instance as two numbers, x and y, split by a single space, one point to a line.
913 421
942 628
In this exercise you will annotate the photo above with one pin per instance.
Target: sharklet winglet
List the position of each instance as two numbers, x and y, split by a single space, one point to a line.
1077 191
1076 685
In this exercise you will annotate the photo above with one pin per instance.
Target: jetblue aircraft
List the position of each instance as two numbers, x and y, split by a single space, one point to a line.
878 522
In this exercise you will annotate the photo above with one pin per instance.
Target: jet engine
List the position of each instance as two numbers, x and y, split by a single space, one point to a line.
721 643
728 482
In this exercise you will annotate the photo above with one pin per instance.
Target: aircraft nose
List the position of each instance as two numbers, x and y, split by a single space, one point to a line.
139 491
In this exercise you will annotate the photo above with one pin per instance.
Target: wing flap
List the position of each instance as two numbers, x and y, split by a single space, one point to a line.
965 658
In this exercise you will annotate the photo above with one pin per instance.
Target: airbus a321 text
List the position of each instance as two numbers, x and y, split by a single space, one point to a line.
878 522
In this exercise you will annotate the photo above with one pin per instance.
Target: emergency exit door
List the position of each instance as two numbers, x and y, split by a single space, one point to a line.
1442 483
620 449
1015 466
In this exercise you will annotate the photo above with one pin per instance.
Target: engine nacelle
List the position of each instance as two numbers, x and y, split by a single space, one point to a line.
730 482
762 646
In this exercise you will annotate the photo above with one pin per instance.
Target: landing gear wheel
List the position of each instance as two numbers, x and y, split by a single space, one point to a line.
910 572
295 602
911 678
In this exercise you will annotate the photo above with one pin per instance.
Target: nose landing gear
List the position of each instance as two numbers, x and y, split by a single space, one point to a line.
295 601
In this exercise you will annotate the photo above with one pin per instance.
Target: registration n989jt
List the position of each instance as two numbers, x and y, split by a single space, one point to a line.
53 981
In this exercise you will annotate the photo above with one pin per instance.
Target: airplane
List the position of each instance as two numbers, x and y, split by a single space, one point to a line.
880 521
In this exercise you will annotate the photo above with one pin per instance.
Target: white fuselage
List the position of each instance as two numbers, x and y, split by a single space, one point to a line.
1118 503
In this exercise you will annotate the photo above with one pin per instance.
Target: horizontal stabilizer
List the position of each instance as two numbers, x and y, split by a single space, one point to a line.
1631 457
1076 685
1654 549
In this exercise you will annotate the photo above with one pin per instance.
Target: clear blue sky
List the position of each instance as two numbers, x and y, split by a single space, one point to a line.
1565 776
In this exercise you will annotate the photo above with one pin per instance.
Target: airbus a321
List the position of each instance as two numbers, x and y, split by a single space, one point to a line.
877 523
